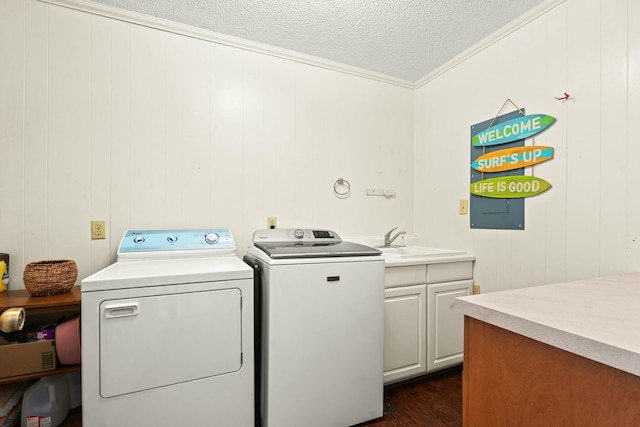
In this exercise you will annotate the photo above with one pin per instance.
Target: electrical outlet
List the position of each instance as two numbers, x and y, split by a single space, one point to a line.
476 289
464 207
272 222
98 230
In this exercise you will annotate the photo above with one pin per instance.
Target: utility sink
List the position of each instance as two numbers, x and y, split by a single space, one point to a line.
419 251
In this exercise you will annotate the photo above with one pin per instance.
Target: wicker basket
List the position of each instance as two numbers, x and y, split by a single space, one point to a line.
51 277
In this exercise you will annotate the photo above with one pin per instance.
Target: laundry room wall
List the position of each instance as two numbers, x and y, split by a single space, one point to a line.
145 128
587 224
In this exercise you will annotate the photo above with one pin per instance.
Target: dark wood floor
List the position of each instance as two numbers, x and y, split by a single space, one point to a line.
431 401
74 419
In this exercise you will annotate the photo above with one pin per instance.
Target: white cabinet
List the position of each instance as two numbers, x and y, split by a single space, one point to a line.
421 333
444 326
405 321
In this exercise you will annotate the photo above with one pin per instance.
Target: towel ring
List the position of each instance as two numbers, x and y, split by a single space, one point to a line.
341 187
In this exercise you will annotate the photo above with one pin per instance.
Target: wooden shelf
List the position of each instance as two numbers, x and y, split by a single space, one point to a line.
69 301
63 369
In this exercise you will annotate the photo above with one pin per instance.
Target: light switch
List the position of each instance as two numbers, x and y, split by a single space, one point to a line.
464 207
272 222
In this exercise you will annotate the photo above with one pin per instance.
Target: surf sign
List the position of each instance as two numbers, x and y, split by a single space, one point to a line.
512 158
513 130
509 187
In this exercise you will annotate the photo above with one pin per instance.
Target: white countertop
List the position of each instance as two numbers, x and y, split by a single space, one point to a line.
393 261
595 318
437 256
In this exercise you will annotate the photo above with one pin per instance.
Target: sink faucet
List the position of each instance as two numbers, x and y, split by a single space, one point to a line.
388 239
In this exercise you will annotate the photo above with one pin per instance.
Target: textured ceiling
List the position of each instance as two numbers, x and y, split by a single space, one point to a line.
406 39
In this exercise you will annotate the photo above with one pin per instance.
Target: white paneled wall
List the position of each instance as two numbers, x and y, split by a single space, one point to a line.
587 224
632 150
109 120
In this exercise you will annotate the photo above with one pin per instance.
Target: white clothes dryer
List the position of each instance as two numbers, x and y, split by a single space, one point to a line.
167 333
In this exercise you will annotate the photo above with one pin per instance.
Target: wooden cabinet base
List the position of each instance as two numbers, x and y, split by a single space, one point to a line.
511 380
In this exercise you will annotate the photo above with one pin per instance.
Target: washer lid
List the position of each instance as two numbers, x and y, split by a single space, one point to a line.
306 250
307 243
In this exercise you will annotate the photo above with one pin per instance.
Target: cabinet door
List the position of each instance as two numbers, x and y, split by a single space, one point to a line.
445 327
404 332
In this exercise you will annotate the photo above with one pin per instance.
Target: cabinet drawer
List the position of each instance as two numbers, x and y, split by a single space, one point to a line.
404 275
449 271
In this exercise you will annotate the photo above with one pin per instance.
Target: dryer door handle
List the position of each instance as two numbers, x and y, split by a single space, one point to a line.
123 310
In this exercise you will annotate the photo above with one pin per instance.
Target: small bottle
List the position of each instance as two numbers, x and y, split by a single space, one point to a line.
4 274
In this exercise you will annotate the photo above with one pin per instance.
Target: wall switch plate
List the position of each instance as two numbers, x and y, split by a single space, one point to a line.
98 230
464 207
272 222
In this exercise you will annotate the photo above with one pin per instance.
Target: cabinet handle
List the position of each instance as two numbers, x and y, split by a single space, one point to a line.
112 312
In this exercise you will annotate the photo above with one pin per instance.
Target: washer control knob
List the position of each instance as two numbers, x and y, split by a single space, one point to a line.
172 239
138 240
298 234
211 238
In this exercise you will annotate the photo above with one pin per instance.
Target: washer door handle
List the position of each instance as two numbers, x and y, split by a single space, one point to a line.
124 310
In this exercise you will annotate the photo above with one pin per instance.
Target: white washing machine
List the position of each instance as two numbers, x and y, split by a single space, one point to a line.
322 328
167 333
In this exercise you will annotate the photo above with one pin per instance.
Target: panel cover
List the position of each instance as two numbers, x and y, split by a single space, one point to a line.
484 212
157 341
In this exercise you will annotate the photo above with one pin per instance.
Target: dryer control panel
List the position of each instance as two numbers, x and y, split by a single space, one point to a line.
171 243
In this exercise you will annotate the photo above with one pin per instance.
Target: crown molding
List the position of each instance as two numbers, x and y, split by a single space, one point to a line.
488 41
222 39
261 48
